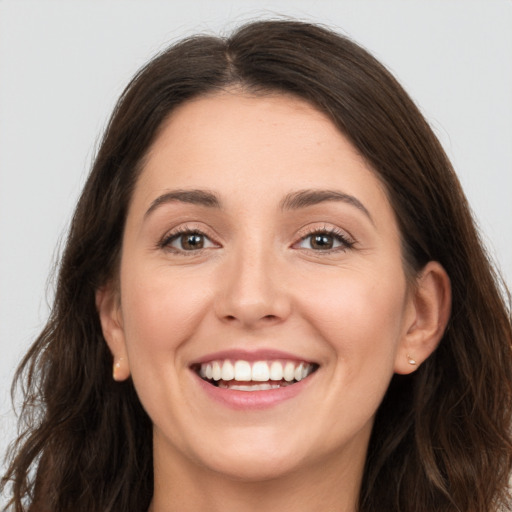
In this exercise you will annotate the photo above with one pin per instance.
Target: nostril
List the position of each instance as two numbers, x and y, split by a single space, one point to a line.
266 318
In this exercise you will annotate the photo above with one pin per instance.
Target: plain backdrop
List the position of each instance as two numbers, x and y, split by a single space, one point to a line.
63 64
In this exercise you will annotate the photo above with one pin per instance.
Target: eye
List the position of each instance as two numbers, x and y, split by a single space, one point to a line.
325 240
187 241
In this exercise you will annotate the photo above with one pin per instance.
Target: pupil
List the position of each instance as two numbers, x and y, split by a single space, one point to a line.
322 242
192 241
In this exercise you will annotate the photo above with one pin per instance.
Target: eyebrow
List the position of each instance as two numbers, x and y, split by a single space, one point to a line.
293 201
198 197
311 197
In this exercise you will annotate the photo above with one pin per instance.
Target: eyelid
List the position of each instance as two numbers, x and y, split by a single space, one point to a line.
345 238
176 232
347 241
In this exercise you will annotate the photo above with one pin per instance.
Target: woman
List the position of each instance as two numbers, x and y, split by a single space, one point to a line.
272 296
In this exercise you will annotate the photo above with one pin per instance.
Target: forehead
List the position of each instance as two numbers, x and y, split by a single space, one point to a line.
243 146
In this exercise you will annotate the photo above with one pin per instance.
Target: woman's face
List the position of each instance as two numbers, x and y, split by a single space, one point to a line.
259 249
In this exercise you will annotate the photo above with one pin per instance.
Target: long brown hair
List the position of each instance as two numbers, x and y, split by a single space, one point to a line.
442 436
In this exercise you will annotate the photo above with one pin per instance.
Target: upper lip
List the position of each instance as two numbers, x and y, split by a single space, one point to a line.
250 355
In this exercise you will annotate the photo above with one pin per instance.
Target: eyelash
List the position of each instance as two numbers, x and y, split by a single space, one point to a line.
337 234
165 242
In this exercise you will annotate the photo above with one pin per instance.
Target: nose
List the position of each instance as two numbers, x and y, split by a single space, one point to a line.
253 293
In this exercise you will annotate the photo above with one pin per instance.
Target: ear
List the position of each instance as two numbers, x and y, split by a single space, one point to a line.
429 308
109 310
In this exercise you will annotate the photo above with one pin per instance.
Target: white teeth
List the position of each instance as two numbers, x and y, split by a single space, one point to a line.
259 371
298 372
243 371
289 371
216 371
276 371
253 387
228 371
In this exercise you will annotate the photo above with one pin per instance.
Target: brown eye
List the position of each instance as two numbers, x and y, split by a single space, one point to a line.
325 241
191 241
322 241
187 241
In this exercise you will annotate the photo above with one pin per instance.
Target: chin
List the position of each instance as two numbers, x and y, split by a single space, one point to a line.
247 454
256 467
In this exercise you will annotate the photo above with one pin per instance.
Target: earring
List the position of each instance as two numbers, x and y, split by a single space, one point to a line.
410 360
116 368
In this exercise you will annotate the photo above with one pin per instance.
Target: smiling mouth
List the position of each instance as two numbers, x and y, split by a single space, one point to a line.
243 375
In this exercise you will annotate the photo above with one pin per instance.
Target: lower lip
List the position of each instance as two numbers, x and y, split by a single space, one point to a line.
244 400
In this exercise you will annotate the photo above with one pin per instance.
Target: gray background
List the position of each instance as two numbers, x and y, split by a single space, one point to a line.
63 64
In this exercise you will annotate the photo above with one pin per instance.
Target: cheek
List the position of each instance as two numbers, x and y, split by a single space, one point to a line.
361 320
160 310
361 316
161 313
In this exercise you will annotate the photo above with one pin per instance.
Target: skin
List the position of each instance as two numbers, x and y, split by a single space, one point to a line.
259 283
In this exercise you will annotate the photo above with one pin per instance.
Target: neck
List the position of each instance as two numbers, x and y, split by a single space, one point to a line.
328 485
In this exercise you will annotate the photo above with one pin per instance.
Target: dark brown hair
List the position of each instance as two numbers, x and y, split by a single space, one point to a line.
441 440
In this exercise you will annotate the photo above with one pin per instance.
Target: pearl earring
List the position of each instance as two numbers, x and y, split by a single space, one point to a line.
117 366
410 360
